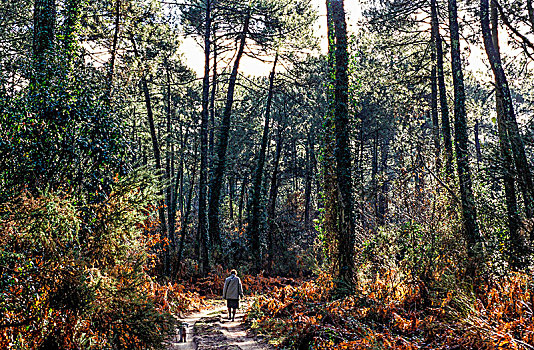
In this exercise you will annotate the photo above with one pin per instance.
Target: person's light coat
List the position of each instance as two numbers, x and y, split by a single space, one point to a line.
232 288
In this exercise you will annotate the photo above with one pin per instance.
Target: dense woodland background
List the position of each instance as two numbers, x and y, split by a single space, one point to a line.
385 174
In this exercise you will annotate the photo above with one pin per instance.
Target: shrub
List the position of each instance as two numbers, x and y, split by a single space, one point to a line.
75 276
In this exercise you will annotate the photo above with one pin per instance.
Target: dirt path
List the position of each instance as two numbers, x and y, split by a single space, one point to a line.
211 330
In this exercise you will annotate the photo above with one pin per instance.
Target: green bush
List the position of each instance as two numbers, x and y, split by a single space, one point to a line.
75 276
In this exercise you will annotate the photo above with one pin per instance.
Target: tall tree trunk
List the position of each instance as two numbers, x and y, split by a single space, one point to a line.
113 53
171 210
185 218
44 29
445 120
254 220
273 194
231 190
180 196
242 201
374 174
516 141
202 184
383 193
308 182
212 102
345 283
329 162
70 42
164 232
469 212
222 143
478 148
516 250
434 87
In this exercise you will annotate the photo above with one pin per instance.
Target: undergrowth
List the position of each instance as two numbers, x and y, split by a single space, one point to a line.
498 315
412 291
77 276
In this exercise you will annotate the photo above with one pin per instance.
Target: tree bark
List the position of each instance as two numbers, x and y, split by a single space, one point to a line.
231 190
273 194
445 120
212 103
308 182
254 220
374 174
44 30
70 42
222 142
171 210
185 218
330 217
478 147
242 201
510 122
530 10
434 88
202 183
515 247
345 283
114 47
469 212
384 192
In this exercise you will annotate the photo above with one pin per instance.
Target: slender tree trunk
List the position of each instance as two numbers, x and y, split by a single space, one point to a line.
202 184
469 212
295 173
185 218
254 220
114 47
180 196
516 141
308 182
242 201
445 120
530 10
314 169
374 174
273 194
516 251
231 190
345 283
478 147
164 232
222 143
171 211
434 87
212 103
384 192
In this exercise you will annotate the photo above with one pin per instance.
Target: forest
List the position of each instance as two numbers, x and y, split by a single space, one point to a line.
365 165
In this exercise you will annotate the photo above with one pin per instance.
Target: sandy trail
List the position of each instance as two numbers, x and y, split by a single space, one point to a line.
210 329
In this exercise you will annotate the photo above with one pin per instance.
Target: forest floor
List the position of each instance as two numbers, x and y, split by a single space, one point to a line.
210 329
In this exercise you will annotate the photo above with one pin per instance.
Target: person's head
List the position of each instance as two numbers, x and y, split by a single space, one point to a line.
233 272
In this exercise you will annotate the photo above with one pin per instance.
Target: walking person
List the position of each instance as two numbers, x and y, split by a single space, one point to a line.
232 291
